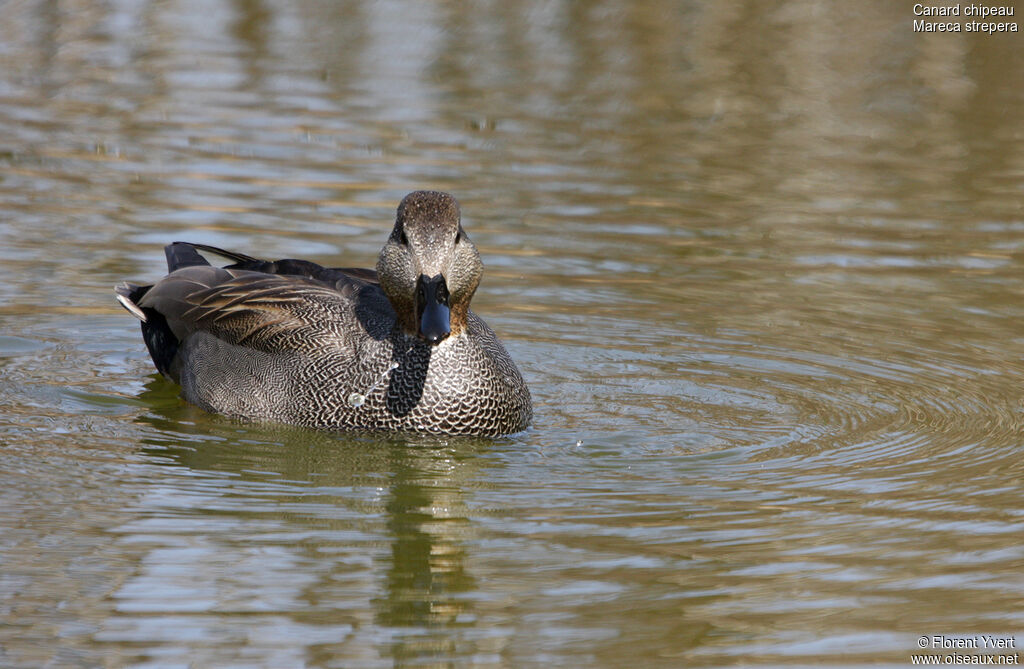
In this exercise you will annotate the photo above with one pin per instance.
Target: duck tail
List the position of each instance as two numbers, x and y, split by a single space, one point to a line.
159 337
129 294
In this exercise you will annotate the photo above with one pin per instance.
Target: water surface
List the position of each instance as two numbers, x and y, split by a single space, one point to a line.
761 265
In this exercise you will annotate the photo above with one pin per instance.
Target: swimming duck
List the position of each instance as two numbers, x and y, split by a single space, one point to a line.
290 341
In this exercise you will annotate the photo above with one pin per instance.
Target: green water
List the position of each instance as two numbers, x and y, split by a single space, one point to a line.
761 264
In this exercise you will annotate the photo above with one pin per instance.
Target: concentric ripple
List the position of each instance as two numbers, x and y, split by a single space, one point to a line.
862 399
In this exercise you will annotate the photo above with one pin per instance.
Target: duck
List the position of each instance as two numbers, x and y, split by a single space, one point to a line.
393 349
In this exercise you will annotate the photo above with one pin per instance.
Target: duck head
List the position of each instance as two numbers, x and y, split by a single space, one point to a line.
429 269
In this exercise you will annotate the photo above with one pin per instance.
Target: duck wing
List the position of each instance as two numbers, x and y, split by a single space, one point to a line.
266 312
272 306
183 254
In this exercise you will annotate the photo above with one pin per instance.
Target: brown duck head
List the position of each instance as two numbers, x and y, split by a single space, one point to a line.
429 269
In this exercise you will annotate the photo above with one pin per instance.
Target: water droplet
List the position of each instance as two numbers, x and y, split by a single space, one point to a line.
359 399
